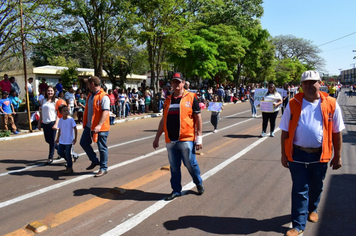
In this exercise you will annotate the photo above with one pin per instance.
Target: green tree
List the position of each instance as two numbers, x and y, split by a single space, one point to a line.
289 71
72 45
104 23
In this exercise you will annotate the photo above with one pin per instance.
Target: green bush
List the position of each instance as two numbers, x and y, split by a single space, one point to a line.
5 134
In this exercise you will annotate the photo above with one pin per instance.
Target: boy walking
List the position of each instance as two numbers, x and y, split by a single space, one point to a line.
65 138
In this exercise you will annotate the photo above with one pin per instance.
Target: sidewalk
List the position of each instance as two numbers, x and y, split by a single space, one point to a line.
25 133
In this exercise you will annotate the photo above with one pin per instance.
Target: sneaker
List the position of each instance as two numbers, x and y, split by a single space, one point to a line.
294 232
16 132
263 134
272 134
253 115
215 130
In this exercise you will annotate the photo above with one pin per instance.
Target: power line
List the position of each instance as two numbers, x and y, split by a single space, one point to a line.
337 39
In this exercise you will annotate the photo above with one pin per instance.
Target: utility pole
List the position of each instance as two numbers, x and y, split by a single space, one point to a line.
24 69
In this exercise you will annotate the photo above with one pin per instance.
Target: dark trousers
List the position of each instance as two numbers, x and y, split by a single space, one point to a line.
271 117
285 103
214 119
65 150
50 136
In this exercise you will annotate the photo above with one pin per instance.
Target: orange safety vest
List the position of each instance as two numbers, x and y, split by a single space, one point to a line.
97 112
187 122
328 105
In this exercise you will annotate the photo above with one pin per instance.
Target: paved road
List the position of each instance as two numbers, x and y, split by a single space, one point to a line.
247 190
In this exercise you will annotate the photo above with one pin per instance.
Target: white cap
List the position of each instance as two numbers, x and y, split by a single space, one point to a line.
310 75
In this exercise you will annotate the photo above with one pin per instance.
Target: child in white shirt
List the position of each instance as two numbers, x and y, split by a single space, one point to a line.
66 126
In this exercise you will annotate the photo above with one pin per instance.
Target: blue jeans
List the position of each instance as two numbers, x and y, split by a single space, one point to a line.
121 109
214 119
127 109
178 152
65 150
85 143
307 185
160 104
253 107
50 136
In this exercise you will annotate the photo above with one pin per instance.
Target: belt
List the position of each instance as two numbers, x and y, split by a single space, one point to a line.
308 150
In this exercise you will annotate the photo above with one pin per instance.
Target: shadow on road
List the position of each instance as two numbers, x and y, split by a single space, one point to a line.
339 217
24 162
243 136
229 225
130 194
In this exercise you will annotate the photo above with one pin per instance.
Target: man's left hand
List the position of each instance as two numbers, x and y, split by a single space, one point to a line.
336 163
198 146
97 129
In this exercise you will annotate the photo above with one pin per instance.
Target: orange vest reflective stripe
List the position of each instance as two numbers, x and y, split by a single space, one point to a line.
187 122
328 105
97 112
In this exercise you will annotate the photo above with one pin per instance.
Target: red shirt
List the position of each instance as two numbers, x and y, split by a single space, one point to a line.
5 86
112 99
42 87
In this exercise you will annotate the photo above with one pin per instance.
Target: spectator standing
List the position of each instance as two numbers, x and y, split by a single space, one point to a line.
49 121
75 86
252 101
311 136
96 124
59 87
182 126
65 139
134 102
285 96
221 94
147 99
69 96
7 109
81 106
5 84
103 86
271 96
122 98
112 106
332 90
350 91
42 87
141 105
15 86
15 101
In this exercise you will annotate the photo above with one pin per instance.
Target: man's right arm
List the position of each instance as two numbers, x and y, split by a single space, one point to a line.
284 158
158 134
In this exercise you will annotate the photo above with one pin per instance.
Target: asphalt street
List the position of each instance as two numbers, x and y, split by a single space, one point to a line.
247 189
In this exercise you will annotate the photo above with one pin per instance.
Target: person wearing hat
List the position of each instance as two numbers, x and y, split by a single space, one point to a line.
7 109
96 122
311 132
182 125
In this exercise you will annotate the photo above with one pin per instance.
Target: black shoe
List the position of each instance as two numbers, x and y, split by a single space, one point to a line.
92 166
49 161
201 189
172 196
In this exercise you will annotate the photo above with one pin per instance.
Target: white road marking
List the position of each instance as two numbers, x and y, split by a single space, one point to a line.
140 217
64 183
81 154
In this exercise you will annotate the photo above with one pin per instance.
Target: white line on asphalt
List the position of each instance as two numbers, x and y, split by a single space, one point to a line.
113 146
140 217
64 183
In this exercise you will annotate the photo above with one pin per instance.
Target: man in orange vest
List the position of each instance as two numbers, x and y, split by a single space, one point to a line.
311 132
182 125
96 123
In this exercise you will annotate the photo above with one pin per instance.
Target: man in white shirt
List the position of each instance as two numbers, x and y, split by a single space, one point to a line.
311 133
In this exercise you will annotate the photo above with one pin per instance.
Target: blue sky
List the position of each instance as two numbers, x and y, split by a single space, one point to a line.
320 21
